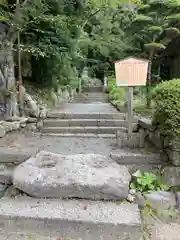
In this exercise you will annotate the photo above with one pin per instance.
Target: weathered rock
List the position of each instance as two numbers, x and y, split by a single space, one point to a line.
12 192
140 200
11 126
31 104
178 198
132 191
32 127
32 120
87 176
2 131
161 199
158 200
3 188
131 198
5 174
39 125
166 232
66 94
174 156
171 176
43 113
13 119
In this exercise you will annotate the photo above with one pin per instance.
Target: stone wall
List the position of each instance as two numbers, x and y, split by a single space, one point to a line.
160 141
34 111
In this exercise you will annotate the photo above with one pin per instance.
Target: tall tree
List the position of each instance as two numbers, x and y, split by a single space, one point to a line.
149 24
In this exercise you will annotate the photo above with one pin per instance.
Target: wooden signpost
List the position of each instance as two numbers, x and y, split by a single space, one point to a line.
131 72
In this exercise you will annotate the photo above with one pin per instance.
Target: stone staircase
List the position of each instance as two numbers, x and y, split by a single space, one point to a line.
51 219
86 125
83 120
91 205
60 196
91 97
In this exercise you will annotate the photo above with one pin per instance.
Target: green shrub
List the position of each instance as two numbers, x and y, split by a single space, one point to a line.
115 93
111 83
166 114
147 182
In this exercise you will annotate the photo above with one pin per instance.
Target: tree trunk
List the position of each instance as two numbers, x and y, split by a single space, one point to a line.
7 80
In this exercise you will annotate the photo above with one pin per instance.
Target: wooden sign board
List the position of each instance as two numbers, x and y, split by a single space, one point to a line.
131 72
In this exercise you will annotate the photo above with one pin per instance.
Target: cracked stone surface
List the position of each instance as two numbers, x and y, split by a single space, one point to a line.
28 142
88 176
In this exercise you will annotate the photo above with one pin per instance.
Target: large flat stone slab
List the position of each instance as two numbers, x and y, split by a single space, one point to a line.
88 176
71 219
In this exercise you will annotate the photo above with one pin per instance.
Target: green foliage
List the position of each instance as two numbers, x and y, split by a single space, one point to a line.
155 29
154 46
146 182
166 114
59 38
148 27
142 19
66 36
116 94
174 17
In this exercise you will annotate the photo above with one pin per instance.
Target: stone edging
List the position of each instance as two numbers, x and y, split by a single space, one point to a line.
161 200
160 141
171 150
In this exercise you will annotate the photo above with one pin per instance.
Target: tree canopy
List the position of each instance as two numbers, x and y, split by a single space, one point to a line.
60 37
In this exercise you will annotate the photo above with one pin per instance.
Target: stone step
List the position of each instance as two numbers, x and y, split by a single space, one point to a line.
93 89
87 122
71 219
10 155
128 156
133 142
90 97
90 101
84 130
61 115
79 135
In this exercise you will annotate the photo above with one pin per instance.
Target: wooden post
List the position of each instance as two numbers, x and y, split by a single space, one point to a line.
80 85
130 110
